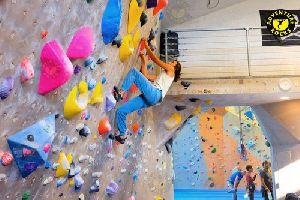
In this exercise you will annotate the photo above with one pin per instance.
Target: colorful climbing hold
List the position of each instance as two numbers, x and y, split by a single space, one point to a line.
134 15
82 44
104 126
160 5
27 71
136 38
173 121
26 195
111 20
135 127
126 48
112 188
64 165
44 34
56 70
6 87
97 95
32 138
73 106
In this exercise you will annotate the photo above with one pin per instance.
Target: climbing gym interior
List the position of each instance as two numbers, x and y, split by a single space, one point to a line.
149 99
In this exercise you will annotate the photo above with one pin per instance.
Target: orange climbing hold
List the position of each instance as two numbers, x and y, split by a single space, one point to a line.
135 127
44 34
104 126
161 4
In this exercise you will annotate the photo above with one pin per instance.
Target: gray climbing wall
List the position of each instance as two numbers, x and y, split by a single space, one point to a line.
21 24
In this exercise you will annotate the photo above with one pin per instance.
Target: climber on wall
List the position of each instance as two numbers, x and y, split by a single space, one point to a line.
153 89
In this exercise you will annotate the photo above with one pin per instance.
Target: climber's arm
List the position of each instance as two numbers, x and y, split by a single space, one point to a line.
144 69
155 59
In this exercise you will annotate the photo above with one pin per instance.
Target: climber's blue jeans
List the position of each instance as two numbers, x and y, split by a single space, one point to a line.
150 95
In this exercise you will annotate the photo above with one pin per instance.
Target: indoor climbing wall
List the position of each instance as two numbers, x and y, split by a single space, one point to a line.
206 151
59 63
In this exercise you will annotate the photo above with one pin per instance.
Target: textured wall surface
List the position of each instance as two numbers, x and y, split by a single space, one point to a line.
21 23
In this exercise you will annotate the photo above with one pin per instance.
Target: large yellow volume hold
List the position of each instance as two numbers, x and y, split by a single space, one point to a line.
97 95
135 13
126 48
64 165
72 105
173 121
136 38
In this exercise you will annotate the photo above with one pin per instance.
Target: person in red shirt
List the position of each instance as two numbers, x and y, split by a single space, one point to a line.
250 187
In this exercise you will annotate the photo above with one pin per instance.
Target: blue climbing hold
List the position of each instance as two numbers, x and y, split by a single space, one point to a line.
32 138
103 81
161 16
91 84
249 114
111 20
48 164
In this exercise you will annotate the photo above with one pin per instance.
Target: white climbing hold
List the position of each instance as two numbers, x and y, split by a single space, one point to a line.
123 171
79 126
3 177
82 158
81 196
97 174
48 180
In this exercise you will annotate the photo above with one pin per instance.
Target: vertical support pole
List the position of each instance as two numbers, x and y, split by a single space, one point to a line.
248 51
166 46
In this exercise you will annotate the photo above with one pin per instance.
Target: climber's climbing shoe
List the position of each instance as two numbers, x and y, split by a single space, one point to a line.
119 139
117 94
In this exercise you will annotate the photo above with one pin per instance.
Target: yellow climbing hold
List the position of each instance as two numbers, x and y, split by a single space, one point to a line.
64 165
157 197
71 182
135 13
126 48
97 95
136 38
197 110
70 158
208 102
173 121
72 105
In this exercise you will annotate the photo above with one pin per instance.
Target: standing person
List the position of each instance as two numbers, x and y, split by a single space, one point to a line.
266 181
153 89
234 181
250 187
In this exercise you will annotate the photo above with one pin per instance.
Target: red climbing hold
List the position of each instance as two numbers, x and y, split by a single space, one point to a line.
161 4
104 126
135 127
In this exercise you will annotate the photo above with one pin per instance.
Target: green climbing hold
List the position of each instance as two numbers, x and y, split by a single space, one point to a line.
267 143
210 178
26 195
89 1
248 125
214 150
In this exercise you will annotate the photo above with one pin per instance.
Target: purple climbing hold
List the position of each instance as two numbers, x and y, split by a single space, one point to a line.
77 69
110 103
6 87
112 188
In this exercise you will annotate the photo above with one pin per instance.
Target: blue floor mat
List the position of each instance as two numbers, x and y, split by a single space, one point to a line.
210 195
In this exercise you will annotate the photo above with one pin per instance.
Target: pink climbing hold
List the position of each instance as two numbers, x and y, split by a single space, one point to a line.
27 152
47 148
131 198
27 71
57 69
82 44
161 4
